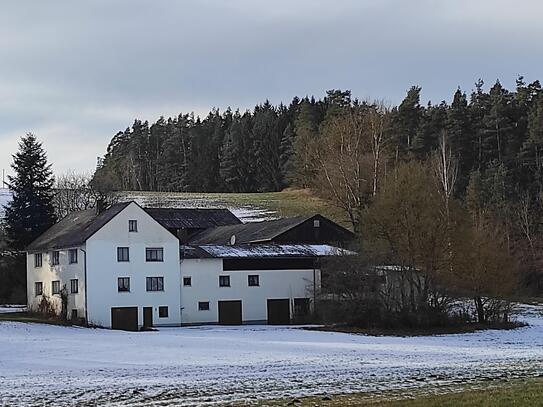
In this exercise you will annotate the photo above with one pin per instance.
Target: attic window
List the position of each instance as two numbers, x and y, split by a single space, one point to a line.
132 225
316 223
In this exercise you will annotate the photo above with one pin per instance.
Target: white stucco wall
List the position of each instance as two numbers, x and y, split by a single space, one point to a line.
274 284
64 272
103 269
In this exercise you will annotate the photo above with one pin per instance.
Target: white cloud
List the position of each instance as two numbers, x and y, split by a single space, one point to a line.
77 72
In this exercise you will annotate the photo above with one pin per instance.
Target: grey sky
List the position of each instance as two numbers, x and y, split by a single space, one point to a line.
76 72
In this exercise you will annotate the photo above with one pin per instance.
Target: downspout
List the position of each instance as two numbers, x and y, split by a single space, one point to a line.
86 288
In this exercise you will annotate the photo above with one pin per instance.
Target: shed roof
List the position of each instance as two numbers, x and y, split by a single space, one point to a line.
247 232
192 218
75 228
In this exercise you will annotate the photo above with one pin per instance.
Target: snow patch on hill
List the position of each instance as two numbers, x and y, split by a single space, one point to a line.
175 200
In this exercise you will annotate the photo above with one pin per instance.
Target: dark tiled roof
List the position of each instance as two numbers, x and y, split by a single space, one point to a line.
192 218
247 232
75 228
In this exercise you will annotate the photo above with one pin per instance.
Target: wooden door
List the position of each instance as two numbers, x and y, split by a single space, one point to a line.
230 313
279 312
147 317
124 318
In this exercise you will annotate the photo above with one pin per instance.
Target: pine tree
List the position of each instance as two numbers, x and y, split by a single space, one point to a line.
462 138
31 211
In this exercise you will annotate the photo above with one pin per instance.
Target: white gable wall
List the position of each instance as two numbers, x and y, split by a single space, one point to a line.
274 284
64 272
104 269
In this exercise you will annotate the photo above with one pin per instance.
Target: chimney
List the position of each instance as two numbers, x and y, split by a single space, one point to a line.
100 206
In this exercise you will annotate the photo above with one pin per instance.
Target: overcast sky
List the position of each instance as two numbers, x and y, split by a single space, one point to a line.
76 72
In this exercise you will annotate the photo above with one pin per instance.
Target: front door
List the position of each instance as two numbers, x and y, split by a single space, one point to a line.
230 313
147 317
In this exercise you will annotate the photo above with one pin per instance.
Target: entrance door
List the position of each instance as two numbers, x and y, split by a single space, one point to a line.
147 317
279 312
230 313
124 318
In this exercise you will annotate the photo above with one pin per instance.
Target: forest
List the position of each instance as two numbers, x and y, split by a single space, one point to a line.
450 189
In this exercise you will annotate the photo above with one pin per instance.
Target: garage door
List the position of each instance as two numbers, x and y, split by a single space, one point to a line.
125 318
278 312
230 312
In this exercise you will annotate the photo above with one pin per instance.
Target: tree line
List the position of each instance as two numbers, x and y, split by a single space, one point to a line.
449 193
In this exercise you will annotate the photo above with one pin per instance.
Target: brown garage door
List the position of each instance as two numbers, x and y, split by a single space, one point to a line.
230 312
278 312
125 318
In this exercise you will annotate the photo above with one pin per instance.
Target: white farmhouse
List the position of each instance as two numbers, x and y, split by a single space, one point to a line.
129 267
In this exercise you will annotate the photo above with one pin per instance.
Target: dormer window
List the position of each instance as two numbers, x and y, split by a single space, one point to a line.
132 225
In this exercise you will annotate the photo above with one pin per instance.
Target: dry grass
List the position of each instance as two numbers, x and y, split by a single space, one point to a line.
528 393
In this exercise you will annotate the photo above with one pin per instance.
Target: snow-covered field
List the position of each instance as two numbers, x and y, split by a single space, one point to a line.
244 211
42 364
5 197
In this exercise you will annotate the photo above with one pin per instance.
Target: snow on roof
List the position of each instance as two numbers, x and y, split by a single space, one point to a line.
265 250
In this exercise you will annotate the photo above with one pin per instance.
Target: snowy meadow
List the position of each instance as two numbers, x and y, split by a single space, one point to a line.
44 364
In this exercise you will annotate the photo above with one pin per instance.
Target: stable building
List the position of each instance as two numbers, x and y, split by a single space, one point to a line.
130 267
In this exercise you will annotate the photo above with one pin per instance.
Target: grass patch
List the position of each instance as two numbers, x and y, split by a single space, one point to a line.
445 330
527 393
33 318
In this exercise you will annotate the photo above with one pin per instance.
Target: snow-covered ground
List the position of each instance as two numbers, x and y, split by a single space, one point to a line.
42 364
4 309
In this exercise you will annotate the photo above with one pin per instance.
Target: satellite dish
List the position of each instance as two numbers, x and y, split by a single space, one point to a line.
232 240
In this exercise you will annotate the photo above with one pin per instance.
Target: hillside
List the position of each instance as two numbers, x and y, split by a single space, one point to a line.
249 207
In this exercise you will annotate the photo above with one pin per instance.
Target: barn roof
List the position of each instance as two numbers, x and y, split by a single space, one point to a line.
263 251
75 228
253 232
192 218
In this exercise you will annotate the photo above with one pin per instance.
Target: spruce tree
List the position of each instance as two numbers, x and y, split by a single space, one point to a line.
31 211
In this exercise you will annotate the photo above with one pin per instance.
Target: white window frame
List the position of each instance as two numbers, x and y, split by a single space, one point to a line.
133 225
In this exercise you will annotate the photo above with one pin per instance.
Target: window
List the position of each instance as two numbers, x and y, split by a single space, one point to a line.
37 260
132 225
316 223
163 312
55 258
123 284
253 280
74 286
203 306
123 254
72 253
55 287
155 283
38 288
224 281
187 281
154 254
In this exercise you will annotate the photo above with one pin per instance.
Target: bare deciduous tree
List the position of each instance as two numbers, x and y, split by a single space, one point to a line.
73 192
